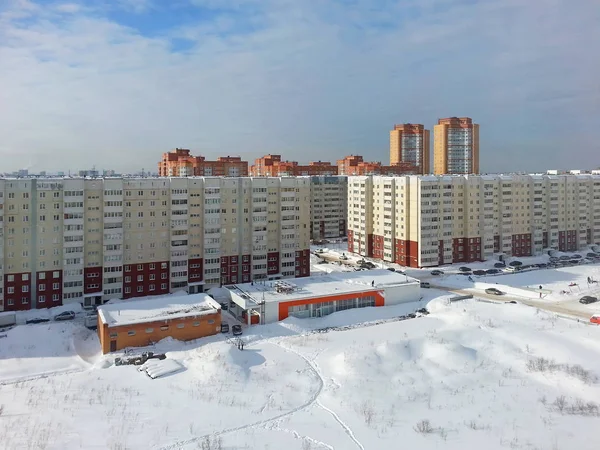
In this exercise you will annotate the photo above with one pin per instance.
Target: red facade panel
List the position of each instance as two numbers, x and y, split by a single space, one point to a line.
17 291
369 245
350 234
141 280
92 280
302 263
195 270
49 288
378 246
521 244
272 263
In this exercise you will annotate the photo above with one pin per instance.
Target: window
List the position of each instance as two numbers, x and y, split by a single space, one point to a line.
131 333
24 288
10 278
55 286
196 324
25 277
149 330
152 277
140 288
56 274
42 299
128 290
42 287
163 286
164 328
211 321
140 267
42 276
113 335
10 290
140 277
163 265
180 325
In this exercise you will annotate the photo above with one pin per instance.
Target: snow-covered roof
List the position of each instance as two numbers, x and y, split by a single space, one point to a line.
318 286
150 309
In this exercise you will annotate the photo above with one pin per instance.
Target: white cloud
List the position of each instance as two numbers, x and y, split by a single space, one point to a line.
312 80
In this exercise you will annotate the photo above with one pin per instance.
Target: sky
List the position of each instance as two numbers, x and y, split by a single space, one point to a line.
115 83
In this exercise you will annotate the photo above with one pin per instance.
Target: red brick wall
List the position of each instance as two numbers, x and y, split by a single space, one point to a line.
152 275
521 244
272 263
230 272
377 246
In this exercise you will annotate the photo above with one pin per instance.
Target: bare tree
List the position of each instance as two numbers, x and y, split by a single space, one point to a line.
424 427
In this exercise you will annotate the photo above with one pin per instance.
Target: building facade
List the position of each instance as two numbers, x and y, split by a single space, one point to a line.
181 163
425 221
145 322
354 165
90 240
409 143
456 146
273 166
328 206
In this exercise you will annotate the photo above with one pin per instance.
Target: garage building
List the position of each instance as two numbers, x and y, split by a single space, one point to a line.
138 323
320 295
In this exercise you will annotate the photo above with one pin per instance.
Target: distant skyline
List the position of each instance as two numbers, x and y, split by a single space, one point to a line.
115 83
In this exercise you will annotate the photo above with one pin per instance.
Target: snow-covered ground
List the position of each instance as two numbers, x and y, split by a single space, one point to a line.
467 376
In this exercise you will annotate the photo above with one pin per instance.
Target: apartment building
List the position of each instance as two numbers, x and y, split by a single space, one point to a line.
425 221
354 165
456 146
329 206
273 166
181 163
409 144
90 240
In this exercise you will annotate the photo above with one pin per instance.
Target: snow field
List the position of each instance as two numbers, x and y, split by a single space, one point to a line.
470 375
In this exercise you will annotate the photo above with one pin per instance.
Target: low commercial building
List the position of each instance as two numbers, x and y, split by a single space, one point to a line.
138 323
317 296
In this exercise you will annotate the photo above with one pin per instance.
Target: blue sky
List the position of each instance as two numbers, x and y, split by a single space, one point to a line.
114 83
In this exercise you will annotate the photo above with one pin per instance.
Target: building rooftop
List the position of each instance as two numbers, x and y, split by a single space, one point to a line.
318 286
150 309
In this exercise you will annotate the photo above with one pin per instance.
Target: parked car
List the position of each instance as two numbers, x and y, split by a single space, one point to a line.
437 272
512 302
592 255
515 263
564 258
391 269
464 269
224 328
492 271
595 319
423 311
512 269
66 315
499 265
236 330
479 272
36 320
91 321
425 284
576 256
542 265
224 306
494 291
587 299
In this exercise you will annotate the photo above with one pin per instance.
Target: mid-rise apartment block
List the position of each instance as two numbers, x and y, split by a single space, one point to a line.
181 163
456 146
273 166
329 206
89 240
409 144
354 165
424 221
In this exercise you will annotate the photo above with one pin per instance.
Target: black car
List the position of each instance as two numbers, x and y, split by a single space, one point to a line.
437 272
224 328
542 265
423 311
576 256
492 271
425 284
512 302
479 272
493 291
564 258
236 330
587 299
67 315
36 320
224 306
464 269
499 265
515 263
391 269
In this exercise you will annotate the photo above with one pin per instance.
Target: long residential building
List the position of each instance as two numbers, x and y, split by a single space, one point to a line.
89 240
424 221
273 166
328 206
181 163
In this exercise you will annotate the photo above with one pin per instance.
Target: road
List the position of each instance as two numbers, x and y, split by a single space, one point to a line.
546 306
